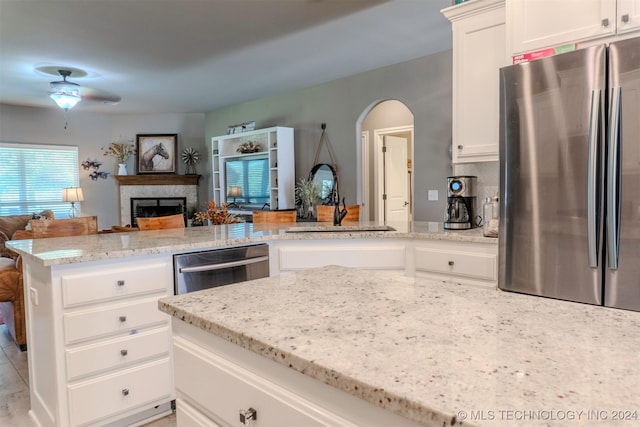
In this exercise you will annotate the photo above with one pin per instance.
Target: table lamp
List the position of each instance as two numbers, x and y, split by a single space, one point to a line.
73 195
234 191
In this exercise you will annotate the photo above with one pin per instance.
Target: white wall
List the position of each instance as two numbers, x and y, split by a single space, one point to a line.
423 85
91 131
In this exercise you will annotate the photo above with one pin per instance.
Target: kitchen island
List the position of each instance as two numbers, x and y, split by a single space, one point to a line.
428 352
94 331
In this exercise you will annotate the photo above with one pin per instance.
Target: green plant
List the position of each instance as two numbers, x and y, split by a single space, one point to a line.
191 211
307 191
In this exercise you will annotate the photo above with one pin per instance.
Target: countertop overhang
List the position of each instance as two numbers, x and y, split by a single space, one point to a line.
68 250
434 352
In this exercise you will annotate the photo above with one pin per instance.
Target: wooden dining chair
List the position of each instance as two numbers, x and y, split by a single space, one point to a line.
160 222
80 226
273 217
325 213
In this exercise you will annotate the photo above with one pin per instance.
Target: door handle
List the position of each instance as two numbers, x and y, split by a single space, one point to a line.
593 180
211 267
405 203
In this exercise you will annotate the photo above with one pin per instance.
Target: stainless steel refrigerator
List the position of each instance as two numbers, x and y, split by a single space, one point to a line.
570 176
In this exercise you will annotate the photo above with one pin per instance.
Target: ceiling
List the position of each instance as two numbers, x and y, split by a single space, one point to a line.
182 56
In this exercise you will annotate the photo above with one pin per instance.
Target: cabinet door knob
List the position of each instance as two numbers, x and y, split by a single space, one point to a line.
248 415
451 263
122 318
124 352
460 147
125 392
605 22
120 282
625 18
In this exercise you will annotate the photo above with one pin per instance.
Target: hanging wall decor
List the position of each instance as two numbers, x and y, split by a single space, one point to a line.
190 157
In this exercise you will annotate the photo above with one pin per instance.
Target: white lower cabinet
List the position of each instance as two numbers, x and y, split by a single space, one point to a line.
468 263
99 349
216 380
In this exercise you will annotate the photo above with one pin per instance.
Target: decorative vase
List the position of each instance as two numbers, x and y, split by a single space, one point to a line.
122 169
309 211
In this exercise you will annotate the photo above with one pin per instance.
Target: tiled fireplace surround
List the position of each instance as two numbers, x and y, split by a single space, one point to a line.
155 186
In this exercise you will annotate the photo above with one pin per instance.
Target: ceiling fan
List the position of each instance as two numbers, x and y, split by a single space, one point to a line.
67 94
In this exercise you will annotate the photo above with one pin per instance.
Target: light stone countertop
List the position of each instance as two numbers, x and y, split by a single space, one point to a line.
433 351
67 250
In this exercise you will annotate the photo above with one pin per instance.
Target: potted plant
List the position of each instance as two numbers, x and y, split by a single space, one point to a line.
121 151
308 193
215 215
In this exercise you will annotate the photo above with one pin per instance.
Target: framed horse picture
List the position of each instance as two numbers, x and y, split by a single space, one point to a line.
156 153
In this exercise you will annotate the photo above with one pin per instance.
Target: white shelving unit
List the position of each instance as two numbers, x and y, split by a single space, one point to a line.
277 146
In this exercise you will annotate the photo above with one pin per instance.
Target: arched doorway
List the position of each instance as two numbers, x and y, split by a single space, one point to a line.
386 161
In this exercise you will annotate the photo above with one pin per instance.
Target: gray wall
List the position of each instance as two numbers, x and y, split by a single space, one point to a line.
91 131
423 85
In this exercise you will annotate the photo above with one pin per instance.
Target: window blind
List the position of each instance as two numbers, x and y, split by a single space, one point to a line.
32 177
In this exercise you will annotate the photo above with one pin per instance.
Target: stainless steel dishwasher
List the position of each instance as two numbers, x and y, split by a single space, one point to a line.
195 271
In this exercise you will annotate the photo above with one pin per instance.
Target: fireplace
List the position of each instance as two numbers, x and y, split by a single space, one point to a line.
146 207
171 190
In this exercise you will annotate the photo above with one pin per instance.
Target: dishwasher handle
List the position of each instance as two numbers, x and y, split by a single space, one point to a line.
223 265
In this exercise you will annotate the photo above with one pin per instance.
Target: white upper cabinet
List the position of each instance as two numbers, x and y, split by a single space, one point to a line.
479 50
537 24
628 16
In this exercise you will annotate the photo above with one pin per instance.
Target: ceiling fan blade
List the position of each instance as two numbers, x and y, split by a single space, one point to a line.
90 94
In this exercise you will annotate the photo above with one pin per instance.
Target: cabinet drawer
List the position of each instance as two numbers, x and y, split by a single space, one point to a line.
481 266
224 388
188 416
121 318
89 401
117 353
107 284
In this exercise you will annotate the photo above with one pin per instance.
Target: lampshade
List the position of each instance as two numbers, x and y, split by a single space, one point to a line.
72 194
65 94
234 192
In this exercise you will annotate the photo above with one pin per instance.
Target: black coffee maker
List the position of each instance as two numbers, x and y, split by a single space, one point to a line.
461 203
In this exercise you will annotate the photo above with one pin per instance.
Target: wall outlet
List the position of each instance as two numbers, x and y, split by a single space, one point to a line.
433 195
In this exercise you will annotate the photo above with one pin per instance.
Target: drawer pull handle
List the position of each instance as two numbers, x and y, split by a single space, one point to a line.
125 392
124 352
120 282
605 22
625 18
248 415
451 263
123 318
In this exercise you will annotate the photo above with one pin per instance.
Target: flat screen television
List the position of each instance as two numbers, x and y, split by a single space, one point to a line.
247 182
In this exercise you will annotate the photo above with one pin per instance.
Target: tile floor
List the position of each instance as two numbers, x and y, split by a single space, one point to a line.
14 387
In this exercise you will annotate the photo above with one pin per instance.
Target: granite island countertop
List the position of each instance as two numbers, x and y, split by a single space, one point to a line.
68 250
437 353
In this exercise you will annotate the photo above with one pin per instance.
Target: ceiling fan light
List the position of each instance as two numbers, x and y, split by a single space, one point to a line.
66 101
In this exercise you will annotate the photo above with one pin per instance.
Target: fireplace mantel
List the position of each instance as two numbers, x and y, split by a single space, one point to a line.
158 179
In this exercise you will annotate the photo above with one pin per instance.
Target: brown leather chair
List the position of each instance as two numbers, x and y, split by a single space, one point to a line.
160 222
273 217
11 280
325 213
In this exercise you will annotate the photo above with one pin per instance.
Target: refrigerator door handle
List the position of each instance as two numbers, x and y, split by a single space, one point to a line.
592 179
613 179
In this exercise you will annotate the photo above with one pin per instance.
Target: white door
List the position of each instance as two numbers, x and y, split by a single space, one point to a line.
396 178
